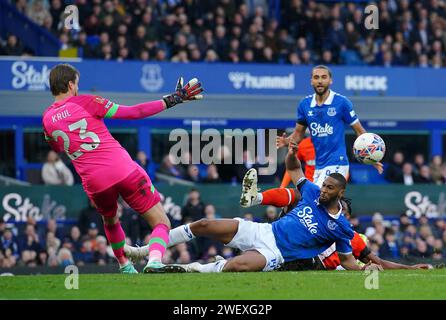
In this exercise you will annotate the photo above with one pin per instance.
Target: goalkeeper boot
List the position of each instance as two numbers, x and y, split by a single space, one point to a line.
249 189
159 267
128 268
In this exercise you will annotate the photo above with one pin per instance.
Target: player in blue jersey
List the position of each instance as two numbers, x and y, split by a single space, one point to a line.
309 229
325 113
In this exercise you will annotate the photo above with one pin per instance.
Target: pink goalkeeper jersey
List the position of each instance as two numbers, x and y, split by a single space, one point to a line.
75 125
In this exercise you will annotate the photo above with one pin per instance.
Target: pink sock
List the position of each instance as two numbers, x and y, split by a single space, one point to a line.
158 242
116 237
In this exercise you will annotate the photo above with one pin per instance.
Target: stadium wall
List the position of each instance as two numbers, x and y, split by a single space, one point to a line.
65 203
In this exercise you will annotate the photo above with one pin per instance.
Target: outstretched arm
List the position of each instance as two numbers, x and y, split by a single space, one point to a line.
297 136
191 91
348 261
293 164
392 265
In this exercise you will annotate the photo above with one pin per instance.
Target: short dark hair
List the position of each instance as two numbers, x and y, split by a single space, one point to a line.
321 66
348 202
60 76
340 178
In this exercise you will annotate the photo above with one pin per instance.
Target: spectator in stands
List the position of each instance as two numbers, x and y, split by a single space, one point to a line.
87 253
7 242
421 250
55 172
248 162
436 168
88 216
2 226
404 222
389 248
193 174
193 210
30 246
210 212
7 259
101 255
52 242
73 242
64 257
12 47
270 215
438 228
408 178
142 160
133 224
56 11
91 235
356 225
394 173
419 162
424 175
168 168
51 226
37 12
42 258
212 174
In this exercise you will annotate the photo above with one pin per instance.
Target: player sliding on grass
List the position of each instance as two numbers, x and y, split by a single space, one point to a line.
308 230
75 124
329 259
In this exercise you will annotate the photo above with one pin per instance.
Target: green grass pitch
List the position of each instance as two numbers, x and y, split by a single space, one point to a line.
401 284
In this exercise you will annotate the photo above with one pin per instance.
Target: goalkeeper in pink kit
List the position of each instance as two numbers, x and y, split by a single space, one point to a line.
74 124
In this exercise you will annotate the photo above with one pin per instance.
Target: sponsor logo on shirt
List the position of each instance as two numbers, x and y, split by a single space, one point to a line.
319 131
331 112
331 225
306 218
99 100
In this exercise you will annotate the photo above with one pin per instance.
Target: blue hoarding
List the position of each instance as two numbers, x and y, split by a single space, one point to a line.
220 78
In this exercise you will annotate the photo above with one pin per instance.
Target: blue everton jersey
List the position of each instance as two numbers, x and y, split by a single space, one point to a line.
326 124
309 229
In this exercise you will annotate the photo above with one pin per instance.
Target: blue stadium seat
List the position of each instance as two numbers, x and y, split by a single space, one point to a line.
93 40
365 174
351 57
202 168
153 167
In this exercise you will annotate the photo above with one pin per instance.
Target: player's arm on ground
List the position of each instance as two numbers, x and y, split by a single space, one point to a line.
293 164
386 264
191 91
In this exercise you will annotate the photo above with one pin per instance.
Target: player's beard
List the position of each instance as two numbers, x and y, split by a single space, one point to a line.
320 93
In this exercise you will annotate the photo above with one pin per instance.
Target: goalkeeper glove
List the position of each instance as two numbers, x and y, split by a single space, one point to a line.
191 91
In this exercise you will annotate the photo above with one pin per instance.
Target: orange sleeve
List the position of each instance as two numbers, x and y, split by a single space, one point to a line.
358 245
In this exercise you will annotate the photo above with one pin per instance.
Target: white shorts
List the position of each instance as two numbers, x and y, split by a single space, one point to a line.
320 174
260 237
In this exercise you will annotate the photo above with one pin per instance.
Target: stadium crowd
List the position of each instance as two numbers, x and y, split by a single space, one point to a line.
411 33
34 244
399 170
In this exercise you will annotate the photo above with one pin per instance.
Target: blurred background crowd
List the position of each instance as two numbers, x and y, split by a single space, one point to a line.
411 33
51 244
